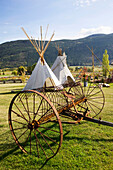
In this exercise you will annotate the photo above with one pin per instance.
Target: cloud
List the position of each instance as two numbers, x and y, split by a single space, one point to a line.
100 30
83 3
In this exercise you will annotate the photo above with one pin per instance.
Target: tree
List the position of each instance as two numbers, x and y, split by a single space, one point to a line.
30 68
105 62
21 70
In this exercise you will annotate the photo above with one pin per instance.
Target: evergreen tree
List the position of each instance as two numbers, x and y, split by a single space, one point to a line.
105 62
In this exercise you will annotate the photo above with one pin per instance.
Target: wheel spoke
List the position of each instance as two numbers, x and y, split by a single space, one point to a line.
94 105
27 138
19 115
49 129
41 146
36 143
50 138
20 128
91 107
19 122
20 111
93 94
45 140
91 91
27 108
23 104
30 141
96 101
96 98
22 133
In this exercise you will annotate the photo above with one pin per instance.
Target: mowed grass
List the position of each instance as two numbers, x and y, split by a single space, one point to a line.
85 145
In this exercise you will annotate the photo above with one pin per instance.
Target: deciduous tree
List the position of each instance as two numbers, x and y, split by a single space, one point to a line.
105 62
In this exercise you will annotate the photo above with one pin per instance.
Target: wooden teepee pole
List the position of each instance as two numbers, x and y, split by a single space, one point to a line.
31 41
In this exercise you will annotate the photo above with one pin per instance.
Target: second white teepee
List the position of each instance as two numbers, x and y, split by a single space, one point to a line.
61 70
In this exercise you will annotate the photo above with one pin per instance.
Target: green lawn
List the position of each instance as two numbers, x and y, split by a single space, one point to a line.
85 146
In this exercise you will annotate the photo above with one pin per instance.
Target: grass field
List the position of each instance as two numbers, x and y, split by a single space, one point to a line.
85 146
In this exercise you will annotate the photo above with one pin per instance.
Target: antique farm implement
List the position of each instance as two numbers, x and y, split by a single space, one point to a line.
36 114
36 118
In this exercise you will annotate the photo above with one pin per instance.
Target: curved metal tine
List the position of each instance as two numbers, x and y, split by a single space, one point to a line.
33 103
38 109
44 114
78 90
19 115
27 107
81 106
40 145
36 143
45 140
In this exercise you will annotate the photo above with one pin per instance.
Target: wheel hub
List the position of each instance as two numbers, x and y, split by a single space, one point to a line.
33 125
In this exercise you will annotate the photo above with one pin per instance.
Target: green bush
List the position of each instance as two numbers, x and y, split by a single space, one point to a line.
14 72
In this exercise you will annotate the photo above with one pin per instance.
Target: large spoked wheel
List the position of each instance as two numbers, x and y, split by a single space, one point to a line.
35 124
94 98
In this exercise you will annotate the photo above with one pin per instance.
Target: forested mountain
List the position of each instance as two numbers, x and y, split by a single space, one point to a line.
22 53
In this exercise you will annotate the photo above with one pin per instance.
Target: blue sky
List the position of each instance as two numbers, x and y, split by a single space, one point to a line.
70 19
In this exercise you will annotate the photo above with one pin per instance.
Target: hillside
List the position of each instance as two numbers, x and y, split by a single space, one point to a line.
21 52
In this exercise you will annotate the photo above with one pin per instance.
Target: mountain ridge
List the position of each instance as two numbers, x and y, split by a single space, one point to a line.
21 52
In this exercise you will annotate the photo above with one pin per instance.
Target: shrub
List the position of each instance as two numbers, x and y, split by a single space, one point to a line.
14 72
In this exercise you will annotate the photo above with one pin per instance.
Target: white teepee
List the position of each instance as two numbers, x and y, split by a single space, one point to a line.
40 75
60 69
42 72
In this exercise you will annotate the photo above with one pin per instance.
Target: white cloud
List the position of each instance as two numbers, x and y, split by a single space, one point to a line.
83 3
100 30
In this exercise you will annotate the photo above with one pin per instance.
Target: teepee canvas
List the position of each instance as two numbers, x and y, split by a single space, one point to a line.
39 76
61 70
42 75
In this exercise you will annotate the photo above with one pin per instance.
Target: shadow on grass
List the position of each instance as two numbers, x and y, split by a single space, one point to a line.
67 138
12 92
7 147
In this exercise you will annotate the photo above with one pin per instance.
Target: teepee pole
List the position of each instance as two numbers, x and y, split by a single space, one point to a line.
39 43
46 34
61 61
41 38
31 41
47 44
